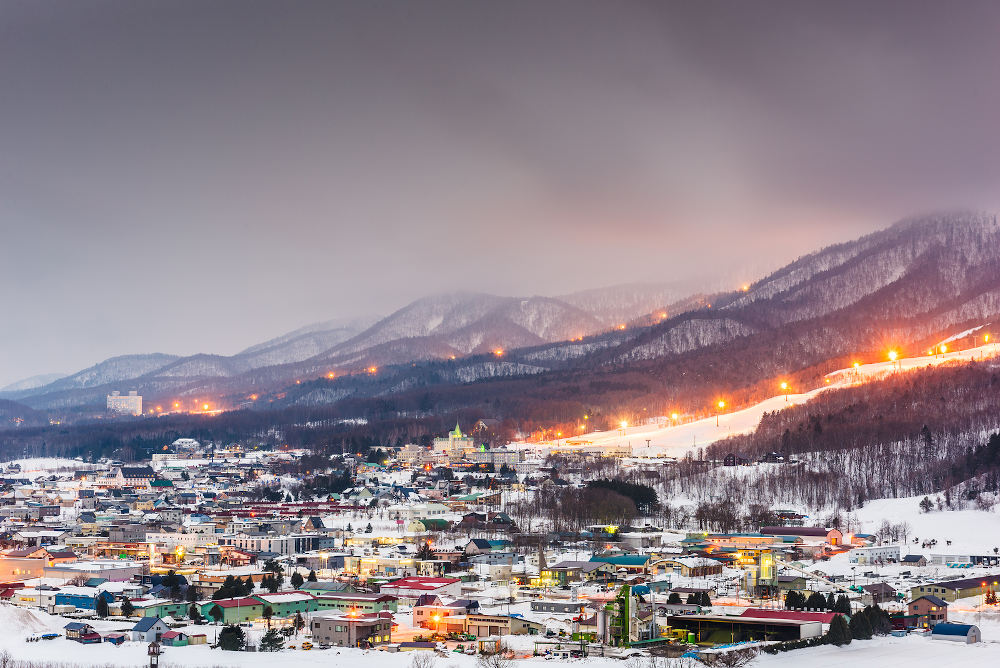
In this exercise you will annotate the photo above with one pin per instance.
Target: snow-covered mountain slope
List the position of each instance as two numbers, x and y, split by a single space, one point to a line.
32 382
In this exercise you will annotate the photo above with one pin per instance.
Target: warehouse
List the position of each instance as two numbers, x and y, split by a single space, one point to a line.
721 629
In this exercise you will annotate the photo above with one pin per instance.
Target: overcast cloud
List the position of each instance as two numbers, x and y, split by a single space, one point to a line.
199 176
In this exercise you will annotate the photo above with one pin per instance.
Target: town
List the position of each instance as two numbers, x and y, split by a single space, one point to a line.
212 548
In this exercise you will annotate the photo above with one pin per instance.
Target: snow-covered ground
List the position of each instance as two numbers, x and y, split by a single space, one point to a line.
666 438
42 465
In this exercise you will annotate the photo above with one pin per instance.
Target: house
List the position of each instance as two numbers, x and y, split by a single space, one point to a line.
633 563
430 610
880 592
174 639
950 590
735 459
692 567
82 633
914 560
149 629
478 546
928 611
966 633
575 571
234 610
352 630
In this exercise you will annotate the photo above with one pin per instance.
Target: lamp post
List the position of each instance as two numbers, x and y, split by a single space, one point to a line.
720 405
784 388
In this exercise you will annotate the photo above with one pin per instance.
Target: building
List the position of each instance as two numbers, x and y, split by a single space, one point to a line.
352 630
493 625
875 554
914 560
967 633
130 404
719 629
82 633
358 602
575 571
691 567
288 603
149 629
806 534
927 611
409 589
234 610
455 445
950 590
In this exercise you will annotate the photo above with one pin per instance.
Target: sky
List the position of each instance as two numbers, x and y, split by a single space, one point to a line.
198 176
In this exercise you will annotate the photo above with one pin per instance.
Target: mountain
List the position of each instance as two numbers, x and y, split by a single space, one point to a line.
905 287
433 328
623 303
32 382
917 281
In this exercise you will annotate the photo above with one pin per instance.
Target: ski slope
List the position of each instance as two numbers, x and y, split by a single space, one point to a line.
663 437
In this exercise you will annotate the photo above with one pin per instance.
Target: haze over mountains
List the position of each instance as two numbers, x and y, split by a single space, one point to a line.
437 327
919 279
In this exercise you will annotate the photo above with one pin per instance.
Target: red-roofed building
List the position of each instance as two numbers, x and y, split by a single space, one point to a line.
409 589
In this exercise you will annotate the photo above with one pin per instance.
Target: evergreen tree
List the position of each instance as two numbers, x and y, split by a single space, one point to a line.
101 607
268 614
215 612
926 505
831 602
191 595
816 601
298 623
879 620
705 601
194 614
843 605
839 633
860 627
175 593
271 641
127 608
368 529
425 552
674 598
692 599
312 576
272 584
248 585
232 639
296 580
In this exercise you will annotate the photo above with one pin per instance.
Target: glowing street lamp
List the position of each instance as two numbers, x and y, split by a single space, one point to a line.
720 405
784 388
674 416
894 358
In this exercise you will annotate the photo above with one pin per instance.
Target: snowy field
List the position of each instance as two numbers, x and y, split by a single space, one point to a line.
43 465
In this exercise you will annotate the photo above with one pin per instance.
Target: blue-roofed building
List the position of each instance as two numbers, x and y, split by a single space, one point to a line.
966 633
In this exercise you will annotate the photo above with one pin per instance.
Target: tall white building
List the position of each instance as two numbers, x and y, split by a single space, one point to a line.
130 404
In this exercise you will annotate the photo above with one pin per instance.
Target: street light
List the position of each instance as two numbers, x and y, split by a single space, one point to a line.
721 405
784 388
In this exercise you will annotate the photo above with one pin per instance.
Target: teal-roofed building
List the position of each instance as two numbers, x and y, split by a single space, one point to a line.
633 563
